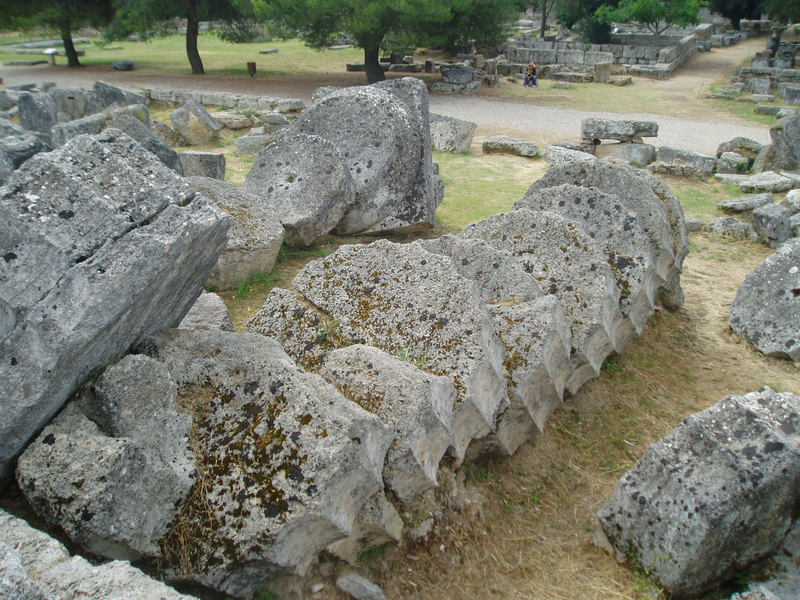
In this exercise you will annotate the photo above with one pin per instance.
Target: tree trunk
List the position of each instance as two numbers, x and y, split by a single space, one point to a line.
192 31
69 47
545 4
372 63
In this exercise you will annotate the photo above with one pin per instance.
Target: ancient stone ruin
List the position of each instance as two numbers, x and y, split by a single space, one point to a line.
712 497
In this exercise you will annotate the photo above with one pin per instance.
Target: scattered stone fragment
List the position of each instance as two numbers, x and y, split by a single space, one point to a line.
449 134
233 120
695 224
509 145
113 469
570 266
417 406
359 587
254 239
303 181
741 145
732 162
194 163
142 134
703 163
771 224
194 123
791 201
768 181
273 122
623 131
208 312
766 311
37 112
713 496
108 94
733 228
785 135
16 149
377 524
285 461
559 155
746 203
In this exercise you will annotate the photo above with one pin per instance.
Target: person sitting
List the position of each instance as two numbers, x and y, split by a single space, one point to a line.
530 75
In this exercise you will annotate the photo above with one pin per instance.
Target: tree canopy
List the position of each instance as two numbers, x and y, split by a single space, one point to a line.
654 15
449 23
783 10
61 16
151 17
736 10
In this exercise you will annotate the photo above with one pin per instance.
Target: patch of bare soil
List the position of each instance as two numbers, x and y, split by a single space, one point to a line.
533 536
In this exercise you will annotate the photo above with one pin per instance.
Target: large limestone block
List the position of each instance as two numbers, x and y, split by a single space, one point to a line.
508 145
194 163
623 131
140 132
499 276
47 564
377 524
537 339
713 496
108 94
741 145
570 266
255 238
449 134
771 224
401 298
113 469
791 201
733 228
285 461
194 123
746 203
636 154
96 256
376 135
416 405
649 198
74 103
767 181
560 155
766 310
88 125
785 136
704 163
628 250
15 581
417 209
16 149
303 181
37 112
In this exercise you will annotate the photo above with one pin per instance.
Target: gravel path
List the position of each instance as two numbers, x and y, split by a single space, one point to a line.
493 116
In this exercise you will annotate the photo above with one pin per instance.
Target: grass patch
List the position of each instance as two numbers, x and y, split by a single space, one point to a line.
700 198
743 110
479 186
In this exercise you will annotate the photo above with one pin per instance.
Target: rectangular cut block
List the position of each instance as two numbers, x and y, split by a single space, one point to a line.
624 131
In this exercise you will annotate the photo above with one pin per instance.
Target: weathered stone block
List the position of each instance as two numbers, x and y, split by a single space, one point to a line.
745 203
202 164
704 163
713 496
208 312
451 135
194 123
624 131
733 228
509 145
771 223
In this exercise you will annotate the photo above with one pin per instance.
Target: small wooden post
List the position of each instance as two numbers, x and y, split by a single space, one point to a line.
251 68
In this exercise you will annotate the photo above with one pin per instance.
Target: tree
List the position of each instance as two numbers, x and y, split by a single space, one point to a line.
153 17
736 10
581 13
61 16
783 10
372 22
654 15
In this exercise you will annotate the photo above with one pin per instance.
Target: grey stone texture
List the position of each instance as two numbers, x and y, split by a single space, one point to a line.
102 245
194 163
194 123
414 404
382 158
740 145
791 201
303 181
400 298
628 251
458 74
254 238
771 223
233 120
623 130
746 203
359 587
785 136
646 196
37 567
252 143
37 112
713 496
142 133
636 154
114 467
88 125
108 94
74 103
449 134
767 181
286 462
16 149
208 312
704 163
732 162
734 228
507 145
570 266
378 523
559 156
766 311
